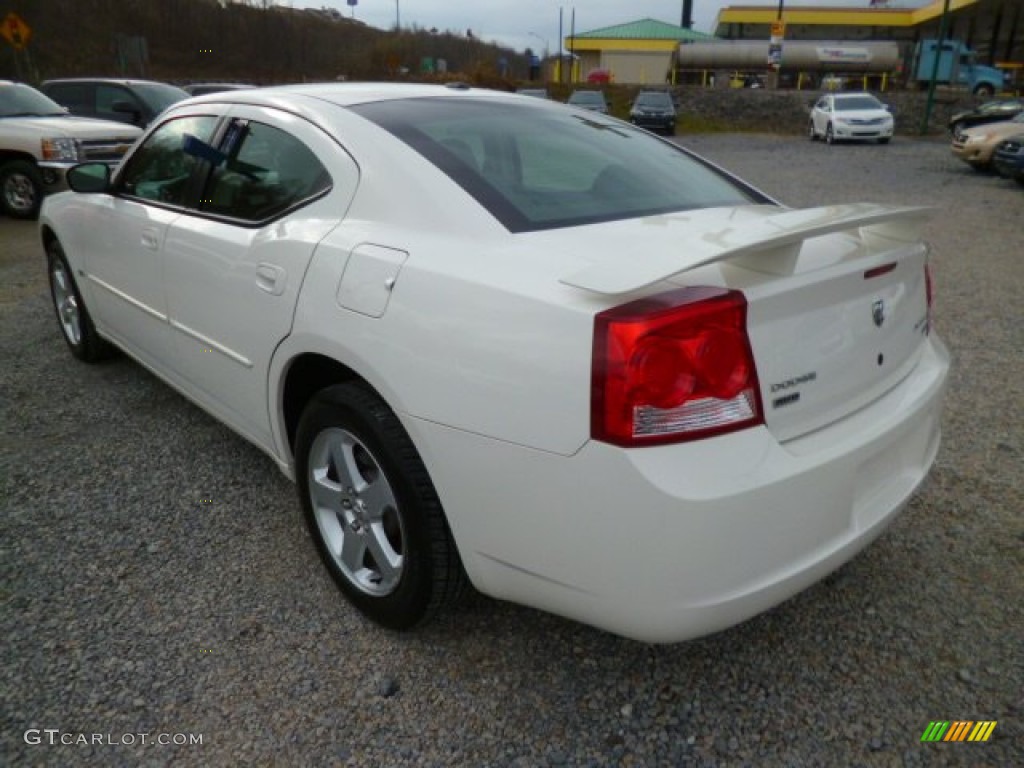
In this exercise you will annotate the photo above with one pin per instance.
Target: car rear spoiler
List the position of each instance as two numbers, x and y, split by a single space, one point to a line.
771 244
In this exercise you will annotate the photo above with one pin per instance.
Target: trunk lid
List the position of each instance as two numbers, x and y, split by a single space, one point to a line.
830 341
837 298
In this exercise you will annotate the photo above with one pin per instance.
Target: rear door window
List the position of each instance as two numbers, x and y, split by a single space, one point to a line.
265 172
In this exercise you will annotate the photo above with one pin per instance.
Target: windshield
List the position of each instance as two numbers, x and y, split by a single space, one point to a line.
536 167
653 100
17 100
159 96
858 102
586 97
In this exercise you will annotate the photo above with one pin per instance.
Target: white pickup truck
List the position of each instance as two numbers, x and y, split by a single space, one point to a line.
39 141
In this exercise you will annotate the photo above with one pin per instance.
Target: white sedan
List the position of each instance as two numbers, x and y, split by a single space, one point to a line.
504 342
850 117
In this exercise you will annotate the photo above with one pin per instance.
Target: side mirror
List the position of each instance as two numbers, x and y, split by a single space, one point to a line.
89 178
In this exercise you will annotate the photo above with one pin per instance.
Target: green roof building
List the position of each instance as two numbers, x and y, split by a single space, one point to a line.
642 51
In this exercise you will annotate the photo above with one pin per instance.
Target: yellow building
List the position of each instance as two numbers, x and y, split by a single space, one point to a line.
993 28
640 52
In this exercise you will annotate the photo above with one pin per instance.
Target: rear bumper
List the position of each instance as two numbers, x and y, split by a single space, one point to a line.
668 543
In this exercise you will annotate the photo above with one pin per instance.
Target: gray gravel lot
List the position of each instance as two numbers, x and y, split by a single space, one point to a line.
156 577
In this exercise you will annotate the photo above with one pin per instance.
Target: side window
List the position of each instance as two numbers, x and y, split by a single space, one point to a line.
108 95
160 169
265 172
74 96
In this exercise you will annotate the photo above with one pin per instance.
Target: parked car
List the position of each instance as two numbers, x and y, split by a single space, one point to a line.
850 116
1008 159
976 146
201 89
592 100
654 110
40 141
989 112
128 101
587 370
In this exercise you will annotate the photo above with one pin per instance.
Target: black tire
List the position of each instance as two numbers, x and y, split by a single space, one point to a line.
348 430
72 316
829 136
884 141
21 189
984 91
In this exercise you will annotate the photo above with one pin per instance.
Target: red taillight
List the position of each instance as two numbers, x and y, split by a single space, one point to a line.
673 367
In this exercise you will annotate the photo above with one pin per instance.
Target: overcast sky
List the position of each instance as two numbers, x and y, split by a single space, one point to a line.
534 23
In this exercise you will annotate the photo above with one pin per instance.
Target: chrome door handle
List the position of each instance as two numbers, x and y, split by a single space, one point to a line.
150 239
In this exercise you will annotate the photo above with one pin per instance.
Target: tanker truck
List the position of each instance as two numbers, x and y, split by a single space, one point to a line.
957 65
811 56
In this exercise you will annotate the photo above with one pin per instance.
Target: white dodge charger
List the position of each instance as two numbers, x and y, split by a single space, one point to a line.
501 341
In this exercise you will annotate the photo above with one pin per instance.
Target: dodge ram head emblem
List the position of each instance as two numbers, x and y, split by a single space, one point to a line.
878 312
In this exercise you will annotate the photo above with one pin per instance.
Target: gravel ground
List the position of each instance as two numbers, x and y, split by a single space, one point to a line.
156 578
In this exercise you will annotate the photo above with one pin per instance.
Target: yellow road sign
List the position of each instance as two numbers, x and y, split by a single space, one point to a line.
778 29
15 31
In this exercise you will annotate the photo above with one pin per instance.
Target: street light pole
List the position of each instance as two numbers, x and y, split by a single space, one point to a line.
398 16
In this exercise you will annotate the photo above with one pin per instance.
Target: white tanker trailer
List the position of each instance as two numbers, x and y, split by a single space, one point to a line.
870 56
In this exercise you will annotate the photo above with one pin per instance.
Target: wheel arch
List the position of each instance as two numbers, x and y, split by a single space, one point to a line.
7 155
305 375
47 235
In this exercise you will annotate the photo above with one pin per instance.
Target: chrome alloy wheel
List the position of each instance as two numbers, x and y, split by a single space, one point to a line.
67 305
20 193
356 511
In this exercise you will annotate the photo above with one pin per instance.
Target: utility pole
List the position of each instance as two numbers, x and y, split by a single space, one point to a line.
935 68
775 46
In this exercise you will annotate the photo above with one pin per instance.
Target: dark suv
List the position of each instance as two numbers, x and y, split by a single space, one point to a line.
128 101
654 110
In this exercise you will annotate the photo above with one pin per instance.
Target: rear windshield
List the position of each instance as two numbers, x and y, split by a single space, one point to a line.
586 97
537 166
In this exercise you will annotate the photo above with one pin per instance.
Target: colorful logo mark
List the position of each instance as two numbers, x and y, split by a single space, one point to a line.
958 730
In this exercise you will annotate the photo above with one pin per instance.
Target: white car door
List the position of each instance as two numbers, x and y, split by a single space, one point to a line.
234 267
127 232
